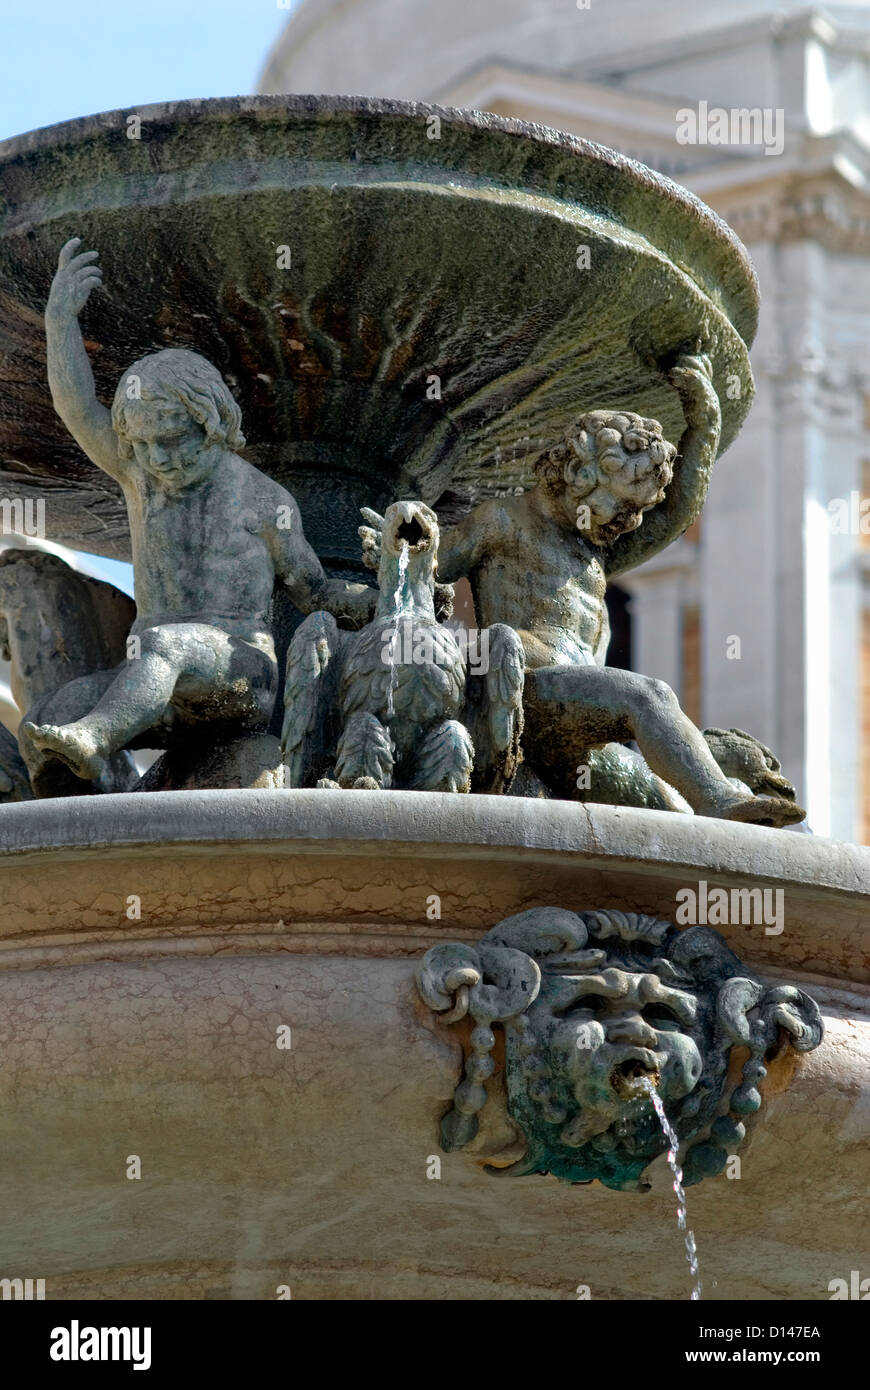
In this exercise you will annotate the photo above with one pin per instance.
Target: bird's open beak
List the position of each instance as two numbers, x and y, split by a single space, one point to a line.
410 527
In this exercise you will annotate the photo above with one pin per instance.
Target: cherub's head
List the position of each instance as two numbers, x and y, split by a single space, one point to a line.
174 414
610 469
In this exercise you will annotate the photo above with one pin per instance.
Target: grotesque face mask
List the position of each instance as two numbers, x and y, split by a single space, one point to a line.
597 1007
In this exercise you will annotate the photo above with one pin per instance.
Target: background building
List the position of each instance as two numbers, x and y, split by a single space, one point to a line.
776 563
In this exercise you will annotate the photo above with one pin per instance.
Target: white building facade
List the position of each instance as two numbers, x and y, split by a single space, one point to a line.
760 617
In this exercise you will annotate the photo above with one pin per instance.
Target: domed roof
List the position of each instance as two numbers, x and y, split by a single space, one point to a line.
415 48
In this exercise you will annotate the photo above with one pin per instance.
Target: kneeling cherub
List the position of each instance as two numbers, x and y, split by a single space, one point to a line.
210 536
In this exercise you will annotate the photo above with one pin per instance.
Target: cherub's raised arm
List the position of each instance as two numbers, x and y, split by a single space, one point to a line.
691 378
70 378
462 547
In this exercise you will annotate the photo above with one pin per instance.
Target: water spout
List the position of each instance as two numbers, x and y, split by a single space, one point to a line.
673 1146
404 556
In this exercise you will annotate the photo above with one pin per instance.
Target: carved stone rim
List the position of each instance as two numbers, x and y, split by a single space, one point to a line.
442 822
349 872
445 821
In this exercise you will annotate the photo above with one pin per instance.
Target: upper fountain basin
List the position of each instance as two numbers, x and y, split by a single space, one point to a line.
343 261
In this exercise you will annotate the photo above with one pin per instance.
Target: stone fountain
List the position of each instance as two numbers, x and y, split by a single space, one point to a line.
397 924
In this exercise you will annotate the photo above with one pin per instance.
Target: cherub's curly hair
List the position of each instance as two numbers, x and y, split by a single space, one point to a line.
176 374
575 461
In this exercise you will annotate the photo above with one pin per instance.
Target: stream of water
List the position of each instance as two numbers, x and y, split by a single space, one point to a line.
673 1146
404 557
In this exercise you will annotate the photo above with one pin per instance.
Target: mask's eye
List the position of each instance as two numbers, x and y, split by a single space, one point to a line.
661 1017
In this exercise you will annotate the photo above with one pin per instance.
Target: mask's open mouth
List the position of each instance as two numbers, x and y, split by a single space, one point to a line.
627 1079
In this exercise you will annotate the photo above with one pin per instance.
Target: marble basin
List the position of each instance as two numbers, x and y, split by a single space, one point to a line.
305 1167
533 274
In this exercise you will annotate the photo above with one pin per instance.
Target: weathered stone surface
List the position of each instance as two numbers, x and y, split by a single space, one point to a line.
411 256
199 760
307 1166
314 871
14 779
266 909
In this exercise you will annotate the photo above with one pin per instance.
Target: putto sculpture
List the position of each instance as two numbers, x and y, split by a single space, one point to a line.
592 1006
540 563
211 535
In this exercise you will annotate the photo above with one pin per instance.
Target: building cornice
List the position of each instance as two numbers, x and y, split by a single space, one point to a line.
808 25
825 210
819 189
491 82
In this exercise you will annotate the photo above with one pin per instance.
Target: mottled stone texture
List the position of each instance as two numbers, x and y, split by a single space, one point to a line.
308 871
308 1166
152 1031
410 256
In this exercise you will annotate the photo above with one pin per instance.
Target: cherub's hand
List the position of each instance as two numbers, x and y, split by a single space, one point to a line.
371 538
74 279
692 378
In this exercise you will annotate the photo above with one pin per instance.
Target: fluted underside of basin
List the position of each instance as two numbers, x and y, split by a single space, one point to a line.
410 259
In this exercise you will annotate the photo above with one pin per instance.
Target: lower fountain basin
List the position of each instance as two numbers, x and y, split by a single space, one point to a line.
153 948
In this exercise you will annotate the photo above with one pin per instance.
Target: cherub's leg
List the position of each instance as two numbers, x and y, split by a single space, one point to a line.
443 759
136 699
365 753
49 775
612 705
494 710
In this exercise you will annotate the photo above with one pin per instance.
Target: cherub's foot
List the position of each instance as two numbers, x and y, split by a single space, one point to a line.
70 744
776 811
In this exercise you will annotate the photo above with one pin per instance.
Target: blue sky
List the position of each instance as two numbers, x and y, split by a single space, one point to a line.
59 60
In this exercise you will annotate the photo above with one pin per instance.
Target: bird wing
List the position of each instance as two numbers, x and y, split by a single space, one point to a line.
308 735
495 714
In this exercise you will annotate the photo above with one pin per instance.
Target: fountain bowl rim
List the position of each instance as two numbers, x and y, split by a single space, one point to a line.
550 145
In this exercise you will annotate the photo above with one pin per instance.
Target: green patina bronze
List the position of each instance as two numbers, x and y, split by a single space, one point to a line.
592 1006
